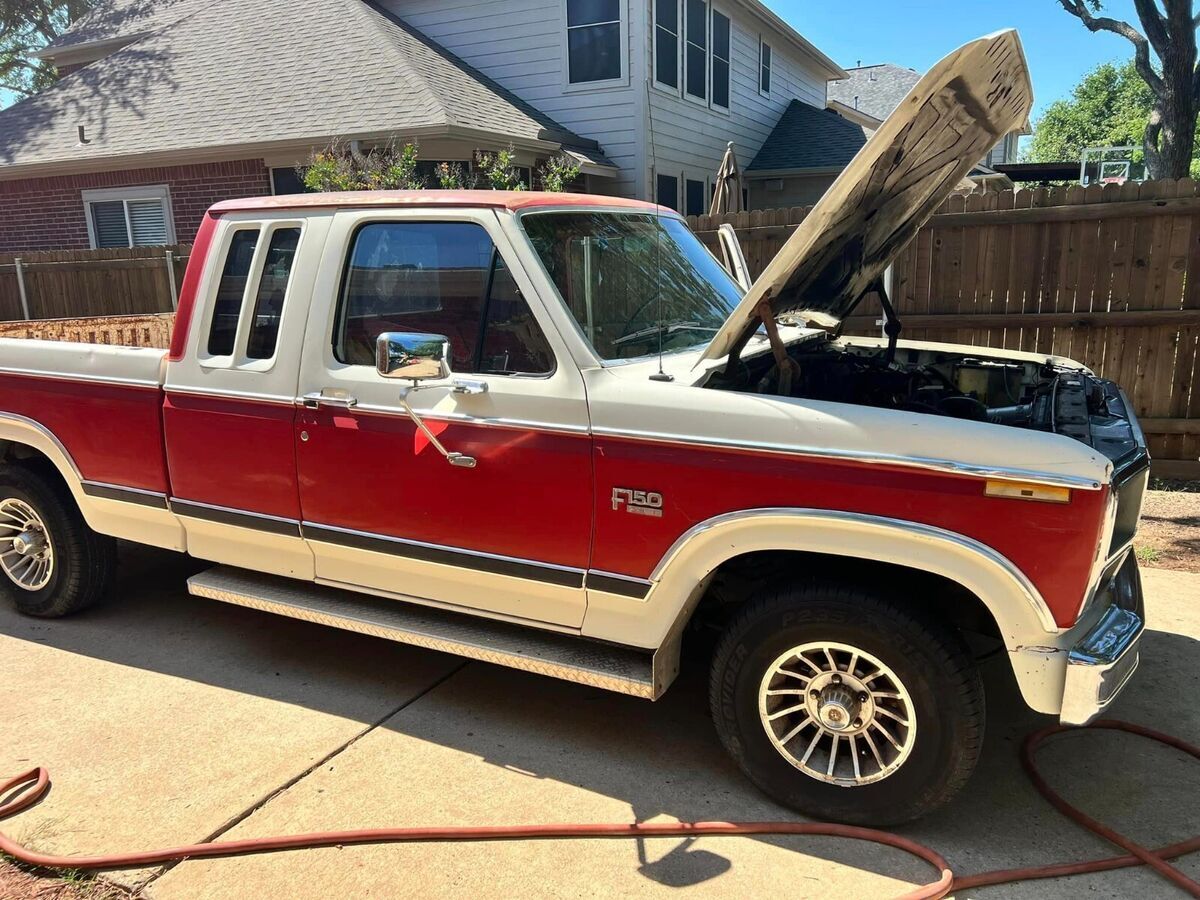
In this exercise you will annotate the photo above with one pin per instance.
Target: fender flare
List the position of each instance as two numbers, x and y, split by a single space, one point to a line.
1014 602
18 429
158 527
1019 610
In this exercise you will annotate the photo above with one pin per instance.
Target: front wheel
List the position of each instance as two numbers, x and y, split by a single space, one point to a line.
51 563
843 705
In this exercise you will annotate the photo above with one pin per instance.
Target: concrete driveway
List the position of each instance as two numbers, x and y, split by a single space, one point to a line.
167 719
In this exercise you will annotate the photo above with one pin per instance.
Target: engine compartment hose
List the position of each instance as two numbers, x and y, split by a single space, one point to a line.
24 790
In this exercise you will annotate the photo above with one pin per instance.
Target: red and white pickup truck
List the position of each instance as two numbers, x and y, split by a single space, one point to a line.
552 432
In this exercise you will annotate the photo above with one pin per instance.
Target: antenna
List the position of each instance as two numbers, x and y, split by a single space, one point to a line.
660 375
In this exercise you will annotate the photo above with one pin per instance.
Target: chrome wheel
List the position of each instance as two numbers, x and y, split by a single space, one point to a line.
26 550
837 713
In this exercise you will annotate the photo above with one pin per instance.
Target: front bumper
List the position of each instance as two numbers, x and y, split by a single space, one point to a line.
1101 663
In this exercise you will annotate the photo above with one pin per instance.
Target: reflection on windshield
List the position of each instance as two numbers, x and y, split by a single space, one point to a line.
635 283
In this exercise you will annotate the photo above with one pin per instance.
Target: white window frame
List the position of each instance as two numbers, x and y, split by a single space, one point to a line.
662 86
714 10
770 67
684 44
620 81
142 192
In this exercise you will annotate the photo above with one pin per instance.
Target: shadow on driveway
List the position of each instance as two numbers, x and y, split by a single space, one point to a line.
664 759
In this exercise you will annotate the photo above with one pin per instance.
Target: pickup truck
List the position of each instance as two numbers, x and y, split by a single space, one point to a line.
553 432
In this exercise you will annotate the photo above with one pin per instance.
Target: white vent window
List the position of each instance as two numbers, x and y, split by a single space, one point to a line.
129 217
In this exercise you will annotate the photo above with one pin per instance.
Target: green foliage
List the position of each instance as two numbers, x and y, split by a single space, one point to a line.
339 168
450 176
390 169
25 27
558 171
497 170
1109 107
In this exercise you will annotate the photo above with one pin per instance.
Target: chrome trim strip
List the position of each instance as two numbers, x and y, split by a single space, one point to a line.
240 518
615 583
493 422
125 494
230 394
937 465
1032 595
80 377
532 570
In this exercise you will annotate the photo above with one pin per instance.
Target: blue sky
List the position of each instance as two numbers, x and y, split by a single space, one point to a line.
917 34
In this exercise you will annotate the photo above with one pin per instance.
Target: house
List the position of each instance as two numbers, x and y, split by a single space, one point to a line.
166 106
874 91
803 154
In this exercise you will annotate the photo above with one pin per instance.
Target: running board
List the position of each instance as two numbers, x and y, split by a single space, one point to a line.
619 669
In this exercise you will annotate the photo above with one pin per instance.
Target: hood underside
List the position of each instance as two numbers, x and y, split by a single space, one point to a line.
916 159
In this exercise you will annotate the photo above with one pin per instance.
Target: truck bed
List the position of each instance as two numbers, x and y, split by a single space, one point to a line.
102 403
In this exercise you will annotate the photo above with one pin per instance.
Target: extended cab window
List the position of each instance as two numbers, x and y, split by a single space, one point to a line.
437 278
272 288
230 290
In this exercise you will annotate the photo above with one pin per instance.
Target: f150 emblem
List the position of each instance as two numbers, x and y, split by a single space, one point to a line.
642 503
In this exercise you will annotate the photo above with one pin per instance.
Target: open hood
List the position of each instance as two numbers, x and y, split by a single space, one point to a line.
916 159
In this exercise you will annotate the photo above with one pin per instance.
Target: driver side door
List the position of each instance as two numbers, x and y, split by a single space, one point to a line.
383 510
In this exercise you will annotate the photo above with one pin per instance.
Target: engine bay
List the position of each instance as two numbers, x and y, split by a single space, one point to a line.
1017 393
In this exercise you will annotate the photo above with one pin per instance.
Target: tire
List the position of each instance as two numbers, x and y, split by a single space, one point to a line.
939 689
79 567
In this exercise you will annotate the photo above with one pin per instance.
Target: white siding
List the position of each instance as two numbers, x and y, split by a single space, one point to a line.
520 44
690 137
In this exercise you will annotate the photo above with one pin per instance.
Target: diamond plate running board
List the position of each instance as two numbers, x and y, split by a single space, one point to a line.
545 653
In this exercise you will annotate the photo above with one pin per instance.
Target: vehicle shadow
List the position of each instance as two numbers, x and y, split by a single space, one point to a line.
662 759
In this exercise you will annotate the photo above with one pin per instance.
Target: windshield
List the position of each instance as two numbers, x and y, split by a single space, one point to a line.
636 283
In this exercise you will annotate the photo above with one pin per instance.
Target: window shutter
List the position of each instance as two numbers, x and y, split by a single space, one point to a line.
108 220
148 221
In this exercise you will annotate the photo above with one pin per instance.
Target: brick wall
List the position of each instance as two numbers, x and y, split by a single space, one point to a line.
48 213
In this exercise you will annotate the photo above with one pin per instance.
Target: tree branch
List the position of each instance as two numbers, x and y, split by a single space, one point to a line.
1141 46
1155 24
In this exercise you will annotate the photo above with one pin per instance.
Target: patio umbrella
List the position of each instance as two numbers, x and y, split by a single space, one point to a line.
727 189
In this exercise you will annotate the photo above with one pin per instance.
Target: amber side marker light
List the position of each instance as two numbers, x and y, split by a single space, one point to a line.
1024 490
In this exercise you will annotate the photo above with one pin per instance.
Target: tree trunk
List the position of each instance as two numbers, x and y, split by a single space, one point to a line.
1172 124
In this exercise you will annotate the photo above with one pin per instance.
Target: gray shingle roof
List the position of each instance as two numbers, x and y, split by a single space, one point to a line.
809 138
219 78
112 19
878 89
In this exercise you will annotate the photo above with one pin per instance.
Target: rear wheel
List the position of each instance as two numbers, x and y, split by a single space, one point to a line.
51 563
843 705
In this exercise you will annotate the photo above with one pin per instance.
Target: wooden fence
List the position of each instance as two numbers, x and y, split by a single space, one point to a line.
55 284
1108 275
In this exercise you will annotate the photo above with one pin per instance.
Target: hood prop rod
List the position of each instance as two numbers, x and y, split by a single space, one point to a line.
788 367
891 321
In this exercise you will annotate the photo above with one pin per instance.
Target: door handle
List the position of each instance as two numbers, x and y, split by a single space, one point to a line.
320 398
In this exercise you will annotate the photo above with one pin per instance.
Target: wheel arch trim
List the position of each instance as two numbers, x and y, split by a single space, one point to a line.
1021 613
991 576
136 521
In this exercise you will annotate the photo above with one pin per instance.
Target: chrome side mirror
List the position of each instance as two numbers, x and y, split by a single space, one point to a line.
418 357
422 357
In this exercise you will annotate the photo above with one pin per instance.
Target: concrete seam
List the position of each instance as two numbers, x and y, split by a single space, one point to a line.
296 779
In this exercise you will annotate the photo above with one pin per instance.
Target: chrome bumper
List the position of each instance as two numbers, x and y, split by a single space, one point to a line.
1105 658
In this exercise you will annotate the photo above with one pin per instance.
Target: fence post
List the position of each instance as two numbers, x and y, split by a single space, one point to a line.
21 288
171 280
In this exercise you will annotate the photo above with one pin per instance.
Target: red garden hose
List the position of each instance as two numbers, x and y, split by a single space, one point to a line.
26 789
